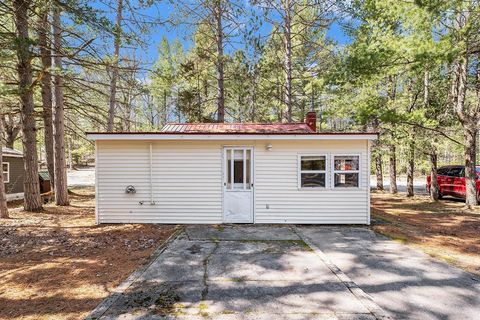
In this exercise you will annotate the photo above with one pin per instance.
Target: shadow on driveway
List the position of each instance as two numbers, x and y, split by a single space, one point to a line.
269 272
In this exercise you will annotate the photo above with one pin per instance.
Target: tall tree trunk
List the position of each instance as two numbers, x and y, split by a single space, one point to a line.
434 189
61 191
470 133
46 84
377 157
410 168
31 186
3 195
379 171
288 60
470 127
220 66
393 169
114 67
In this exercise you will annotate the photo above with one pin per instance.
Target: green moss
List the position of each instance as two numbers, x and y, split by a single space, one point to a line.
394 236
219 228
228 312
203 309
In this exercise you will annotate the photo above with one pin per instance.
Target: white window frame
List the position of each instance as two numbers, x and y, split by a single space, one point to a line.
7 172
225 170
346 171
300 171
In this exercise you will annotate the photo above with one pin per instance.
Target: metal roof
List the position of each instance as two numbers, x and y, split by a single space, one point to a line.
44 175
236 128
230 136
9 152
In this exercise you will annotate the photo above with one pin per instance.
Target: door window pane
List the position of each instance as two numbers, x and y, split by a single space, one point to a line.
346 180
228 164
238 169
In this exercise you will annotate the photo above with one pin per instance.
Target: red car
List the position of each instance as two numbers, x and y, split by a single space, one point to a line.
451 181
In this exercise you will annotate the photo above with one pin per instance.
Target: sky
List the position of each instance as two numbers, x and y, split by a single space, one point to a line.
163 10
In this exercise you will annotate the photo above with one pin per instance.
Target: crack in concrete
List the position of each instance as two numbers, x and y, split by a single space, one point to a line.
205 271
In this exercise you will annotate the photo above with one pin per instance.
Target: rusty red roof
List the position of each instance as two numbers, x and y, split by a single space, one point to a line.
254 128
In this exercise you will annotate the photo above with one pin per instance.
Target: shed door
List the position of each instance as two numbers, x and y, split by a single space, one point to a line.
238 185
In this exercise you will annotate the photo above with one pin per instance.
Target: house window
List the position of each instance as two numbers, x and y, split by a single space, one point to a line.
346 171
312 173
6 172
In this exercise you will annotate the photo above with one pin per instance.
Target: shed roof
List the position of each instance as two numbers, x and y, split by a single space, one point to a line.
235 128
9 152
44 175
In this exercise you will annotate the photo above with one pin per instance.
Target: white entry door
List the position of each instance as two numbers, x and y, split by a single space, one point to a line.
238 185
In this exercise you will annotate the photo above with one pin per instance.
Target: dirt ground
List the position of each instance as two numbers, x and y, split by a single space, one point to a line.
447 229
59 265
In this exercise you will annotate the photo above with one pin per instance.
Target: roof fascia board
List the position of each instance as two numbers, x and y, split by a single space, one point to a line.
7 155
134 137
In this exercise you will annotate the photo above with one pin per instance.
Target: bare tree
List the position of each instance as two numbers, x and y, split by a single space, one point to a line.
32 199
61 191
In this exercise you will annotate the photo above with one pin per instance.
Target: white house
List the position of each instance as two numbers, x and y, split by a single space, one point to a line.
233 173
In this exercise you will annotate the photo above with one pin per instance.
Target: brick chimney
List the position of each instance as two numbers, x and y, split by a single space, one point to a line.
311 120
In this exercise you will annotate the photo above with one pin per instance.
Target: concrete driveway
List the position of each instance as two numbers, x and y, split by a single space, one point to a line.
283 272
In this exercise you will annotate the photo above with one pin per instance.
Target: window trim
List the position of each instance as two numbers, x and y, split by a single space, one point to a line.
7 172
300 171
225 149
346 171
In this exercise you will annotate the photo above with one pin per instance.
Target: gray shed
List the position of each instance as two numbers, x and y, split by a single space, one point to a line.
13 173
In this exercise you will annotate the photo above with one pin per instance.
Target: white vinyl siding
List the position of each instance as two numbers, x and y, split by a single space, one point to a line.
279 200
187 182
